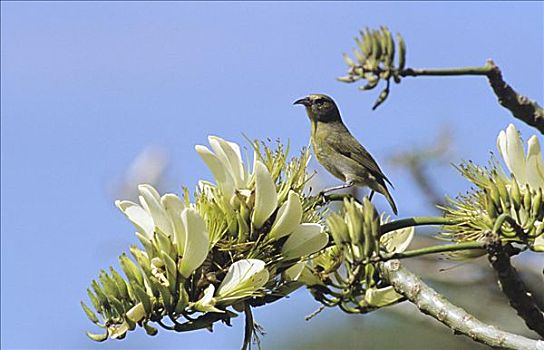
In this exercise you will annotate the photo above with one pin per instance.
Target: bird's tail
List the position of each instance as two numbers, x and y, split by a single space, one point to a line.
390 200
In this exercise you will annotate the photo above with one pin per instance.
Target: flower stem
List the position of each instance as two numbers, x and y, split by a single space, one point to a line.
437 249
415 221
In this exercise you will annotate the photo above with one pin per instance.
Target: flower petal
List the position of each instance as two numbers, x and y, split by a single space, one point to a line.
141 219
288 217
266 197
515 155
229 154
207 302
300 272
242 279
116 331
221 175
305 239
174 206
196 244
381 297
397 241
535 164
152 200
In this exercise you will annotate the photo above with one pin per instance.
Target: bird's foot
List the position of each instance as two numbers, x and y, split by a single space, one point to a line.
336 188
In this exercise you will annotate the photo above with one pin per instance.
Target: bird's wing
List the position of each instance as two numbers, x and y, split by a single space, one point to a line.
354 150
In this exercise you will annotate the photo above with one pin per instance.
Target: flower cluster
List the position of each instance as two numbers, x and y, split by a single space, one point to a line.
511 206
346 274
226 248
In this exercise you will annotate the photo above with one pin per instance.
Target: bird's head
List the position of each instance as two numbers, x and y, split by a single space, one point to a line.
319 107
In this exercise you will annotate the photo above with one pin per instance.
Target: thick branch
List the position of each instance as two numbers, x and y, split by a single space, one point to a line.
521 107
435 305
513 287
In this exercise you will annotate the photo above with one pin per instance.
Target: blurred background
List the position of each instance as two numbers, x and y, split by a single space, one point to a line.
97 97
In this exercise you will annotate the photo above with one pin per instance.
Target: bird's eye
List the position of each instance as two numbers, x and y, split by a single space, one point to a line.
320 102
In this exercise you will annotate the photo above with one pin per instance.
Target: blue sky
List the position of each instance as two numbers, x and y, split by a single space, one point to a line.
85 86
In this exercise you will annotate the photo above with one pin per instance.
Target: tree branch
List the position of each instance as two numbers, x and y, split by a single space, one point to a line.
435 305
415 221
520 106
443 248
512 285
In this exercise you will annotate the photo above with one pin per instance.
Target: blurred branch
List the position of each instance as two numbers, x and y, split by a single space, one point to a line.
417 160
512 285
435 305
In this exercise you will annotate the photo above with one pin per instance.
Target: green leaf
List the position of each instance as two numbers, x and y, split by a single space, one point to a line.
150 330
171 271
110 287
131 270
121 284
144 298
117 305
94 301
183 299
90 314
98 337
165 295
148 245
102 299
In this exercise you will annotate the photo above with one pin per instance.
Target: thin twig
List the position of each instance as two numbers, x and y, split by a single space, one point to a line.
435 305
248 329
443 248
415 221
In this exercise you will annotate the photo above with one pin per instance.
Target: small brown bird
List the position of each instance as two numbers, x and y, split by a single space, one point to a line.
339 152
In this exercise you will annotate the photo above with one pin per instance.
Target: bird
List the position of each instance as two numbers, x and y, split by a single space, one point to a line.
339 152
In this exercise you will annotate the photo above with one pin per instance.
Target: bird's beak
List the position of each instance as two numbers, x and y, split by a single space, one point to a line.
303 101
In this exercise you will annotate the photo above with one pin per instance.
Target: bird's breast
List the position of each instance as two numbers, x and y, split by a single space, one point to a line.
327 157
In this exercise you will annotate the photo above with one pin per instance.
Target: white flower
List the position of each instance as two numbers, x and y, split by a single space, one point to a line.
244 278
397 241
207 302
266 197
196 242
152 212
526 169
301 272
306 239
380 297
288 217
229 171
225 163
168 214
